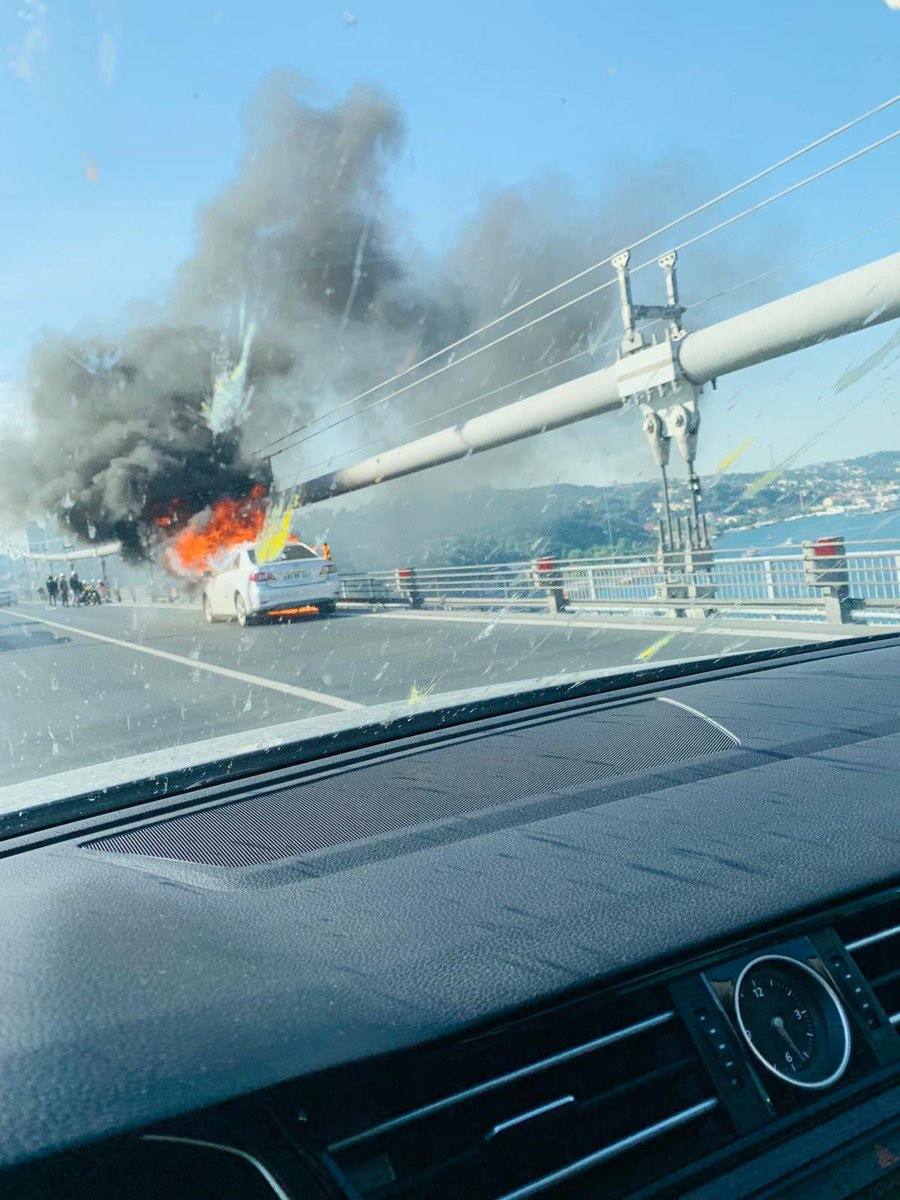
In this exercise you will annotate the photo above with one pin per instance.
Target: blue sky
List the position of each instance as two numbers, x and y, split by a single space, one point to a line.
146 97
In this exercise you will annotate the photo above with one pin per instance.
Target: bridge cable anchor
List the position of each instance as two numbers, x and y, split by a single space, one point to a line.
650 377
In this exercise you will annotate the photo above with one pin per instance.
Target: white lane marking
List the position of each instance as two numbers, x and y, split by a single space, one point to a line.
195 664
571 622
556 623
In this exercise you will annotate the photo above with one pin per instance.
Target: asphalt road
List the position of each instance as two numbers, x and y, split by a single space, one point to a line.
83 686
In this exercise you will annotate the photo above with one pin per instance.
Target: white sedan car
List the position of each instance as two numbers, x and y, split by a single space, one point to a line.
247 590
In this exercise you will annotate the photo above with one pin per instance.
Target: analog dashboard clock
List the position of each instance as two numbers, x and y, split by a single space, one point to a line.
792 1021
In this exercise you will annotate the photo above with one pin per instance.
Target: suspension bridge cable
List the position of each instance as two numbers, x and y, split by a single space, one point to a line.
755 178
792 262
782 266
465 404
692 241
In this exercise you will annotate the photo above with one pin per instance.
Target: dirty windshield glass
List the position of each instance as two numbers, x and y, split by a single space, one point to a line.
565 336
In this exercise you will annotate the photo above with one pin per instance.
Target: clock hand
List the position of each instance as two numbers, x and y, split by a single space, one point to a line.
778 1022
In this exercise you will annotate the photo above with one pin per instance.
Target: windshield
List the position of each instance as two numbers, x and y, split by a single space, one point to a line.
564 335
291 553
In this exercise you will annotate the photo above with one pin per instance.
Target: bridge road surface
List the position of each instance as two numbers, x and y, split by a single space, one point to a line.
83 686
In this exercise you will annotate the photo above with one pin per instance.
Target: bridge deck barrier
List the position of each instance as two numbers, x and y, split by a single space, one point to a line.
762 583
757 581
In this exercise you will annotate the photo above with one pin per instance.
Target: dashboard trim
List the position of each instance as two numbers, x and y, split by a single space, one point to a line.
873 938
261 1167
532 1114
697 713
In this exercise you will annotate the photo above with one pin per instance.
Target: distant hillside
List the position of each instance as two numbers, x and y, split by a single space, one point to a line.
501 524
489 525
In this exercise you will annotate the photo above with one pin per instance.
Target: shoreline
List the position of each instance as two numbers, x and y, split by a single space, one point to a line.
842 512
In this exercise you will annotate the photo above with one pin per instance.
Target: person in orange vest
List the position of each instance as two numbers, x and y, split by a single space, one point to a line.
326 550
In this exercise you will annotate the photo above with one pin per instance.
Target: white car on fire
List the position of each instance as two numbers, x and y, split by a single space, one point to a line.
246 590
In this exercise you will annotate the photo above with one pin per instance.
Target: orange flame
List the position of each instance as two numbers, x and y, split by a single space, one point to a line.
170 516
229 523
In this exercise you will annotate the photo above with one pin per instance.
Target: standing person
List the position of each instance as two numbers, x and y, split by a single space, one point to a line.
52 587
64 589
75 587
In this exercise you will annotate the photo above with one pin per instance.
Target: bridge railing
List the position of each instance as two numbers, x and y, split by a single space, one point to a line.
770 579
875 575
491 583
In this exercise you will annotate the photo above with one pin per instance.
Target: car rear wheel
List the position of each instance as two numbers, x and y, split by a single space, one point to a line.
207 610
240 609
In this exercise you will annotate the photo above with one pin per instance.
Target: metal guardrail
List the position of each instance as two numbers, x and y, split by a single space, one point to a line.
489 585
753 581
763 583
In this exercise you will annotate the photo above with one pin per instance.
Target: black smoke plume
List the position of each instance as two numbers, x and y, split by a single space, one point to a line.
121 449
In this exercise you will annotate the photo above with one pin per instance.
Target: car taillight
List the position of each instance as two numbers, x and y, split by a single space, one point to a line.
328 569
261 577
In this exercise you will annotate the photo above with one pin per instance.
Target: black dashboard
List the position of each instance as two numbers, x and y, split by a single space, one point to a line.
635 938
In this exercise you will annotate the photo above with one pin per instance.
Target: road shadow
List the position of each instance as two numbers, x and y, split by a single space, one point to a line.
30 637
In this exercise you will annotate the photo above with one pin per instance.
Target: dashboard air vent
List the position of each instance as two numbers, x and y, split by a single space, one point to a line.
597 1101
873 938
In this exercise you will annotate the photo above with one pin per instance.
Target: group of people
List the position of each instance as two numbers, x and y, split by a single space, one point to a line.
72 590
62 590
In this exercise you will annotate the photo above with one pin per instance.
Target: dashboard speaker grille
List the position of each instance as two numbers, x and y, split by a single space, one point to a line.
433 785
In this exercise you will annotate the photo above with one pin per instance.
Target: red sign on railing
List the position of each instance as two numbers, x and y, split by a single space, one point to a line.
827 547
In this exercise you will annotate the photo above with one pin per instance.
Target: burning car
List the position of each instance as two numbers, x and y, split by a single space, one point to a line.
248 563
246 589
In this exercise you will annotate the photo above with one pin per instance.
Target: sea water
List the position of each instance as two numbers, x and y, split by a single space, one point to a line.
857 529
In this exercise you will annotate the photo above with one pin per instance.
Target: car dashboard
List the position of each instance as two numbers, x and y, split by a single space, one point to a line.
639 937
